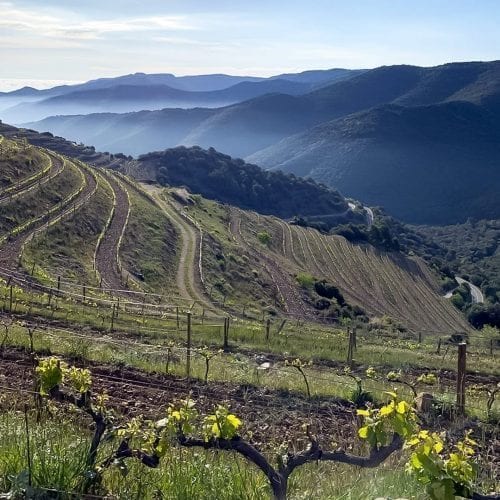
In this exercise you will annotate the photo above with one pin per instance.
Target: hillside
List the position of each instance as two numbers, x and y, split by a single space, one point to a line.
101 230
214 175
219 177
442 159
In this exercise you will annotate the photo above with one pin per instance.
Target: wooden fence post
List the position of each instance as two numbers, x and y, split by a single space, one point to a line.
58 283
11 296
350 347
354 339
268 329
419 337
438 351
461 368
188 349
226 333
177 316
113 318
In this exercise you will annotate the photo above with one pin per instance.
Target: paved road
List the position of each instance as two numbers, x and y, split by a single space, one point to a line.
476 294
369 213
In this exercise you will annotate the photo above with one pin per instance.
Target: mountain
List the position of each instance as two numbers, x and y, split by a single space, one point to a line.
156 91
127 98
245 128
404 137
427 164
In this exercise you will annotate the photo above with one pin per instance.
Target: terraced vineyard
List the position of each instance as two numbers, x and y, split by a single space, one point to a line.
381 283
166 295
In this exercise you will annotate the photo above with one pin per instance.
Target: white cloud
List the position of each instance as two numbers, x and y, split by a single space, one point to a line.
39 23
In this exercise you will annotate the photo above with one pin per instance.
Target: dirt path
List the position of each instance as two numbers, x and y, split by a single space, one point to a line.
23 188
10 251
188 277
293 303
107 252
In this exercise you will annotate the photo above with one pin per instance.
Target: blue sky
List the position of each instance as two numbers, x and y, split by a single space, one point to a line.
47 41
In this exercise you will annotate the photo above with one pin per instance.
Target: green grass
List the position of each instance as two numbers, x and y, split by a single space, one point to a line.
39 201
237 368
18 163
67 248
149 245
59 448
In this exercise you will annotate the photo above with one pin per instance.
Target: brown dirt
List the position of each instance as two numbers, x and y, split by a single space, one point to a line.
268 415
293 303
106 257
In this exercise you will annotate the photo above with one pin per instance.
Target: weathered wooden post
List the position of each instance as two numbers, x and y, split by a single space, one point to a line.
11 297
226 333
268 329
188 348
438 351
177 316
461 368
58 283
113 318
350 347
419 337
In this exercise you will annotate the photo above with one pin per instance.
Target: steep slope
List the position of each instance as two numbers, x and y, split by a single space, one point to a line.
427 164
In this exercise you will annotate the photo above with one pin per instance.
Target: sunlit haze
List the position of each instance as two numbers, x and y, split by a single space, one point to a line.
77 41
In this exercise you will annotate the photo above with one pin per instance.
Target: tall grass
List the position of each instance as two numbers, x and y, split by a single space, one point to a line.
59 446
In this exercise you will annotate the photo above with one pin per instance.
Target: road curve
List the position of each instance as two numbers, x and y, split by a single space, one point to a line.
476 294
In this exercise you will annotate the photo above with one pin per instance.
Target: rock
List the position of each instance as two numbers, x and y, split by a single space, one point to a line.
424 402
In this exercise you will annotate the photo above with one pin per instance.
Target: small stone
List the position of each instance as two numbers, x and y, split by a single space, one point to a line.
424 402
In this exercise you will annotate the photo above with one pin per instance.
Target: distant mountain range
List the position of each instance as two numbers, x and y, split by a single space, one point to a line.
151 92
423 142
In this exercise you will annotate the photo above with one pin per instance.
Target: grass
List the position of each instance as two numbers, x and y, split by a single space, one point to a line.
237 367
39 201
59 448
67 248
231 276
149 245
19 163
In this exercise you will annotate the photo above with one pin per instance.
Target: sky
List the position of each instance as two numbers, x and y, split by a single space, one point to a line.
48 42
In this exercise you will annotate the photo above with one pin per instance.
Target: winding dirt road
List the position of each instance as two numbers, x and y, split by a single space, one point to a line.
106 258
188 278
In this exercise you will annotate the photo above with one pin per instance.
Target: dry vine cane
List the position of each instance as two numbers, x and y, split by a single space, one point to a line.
384 429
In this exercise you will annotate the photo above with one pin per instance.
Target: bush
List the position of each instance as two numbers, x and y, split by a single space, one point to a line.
305 280
264 237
